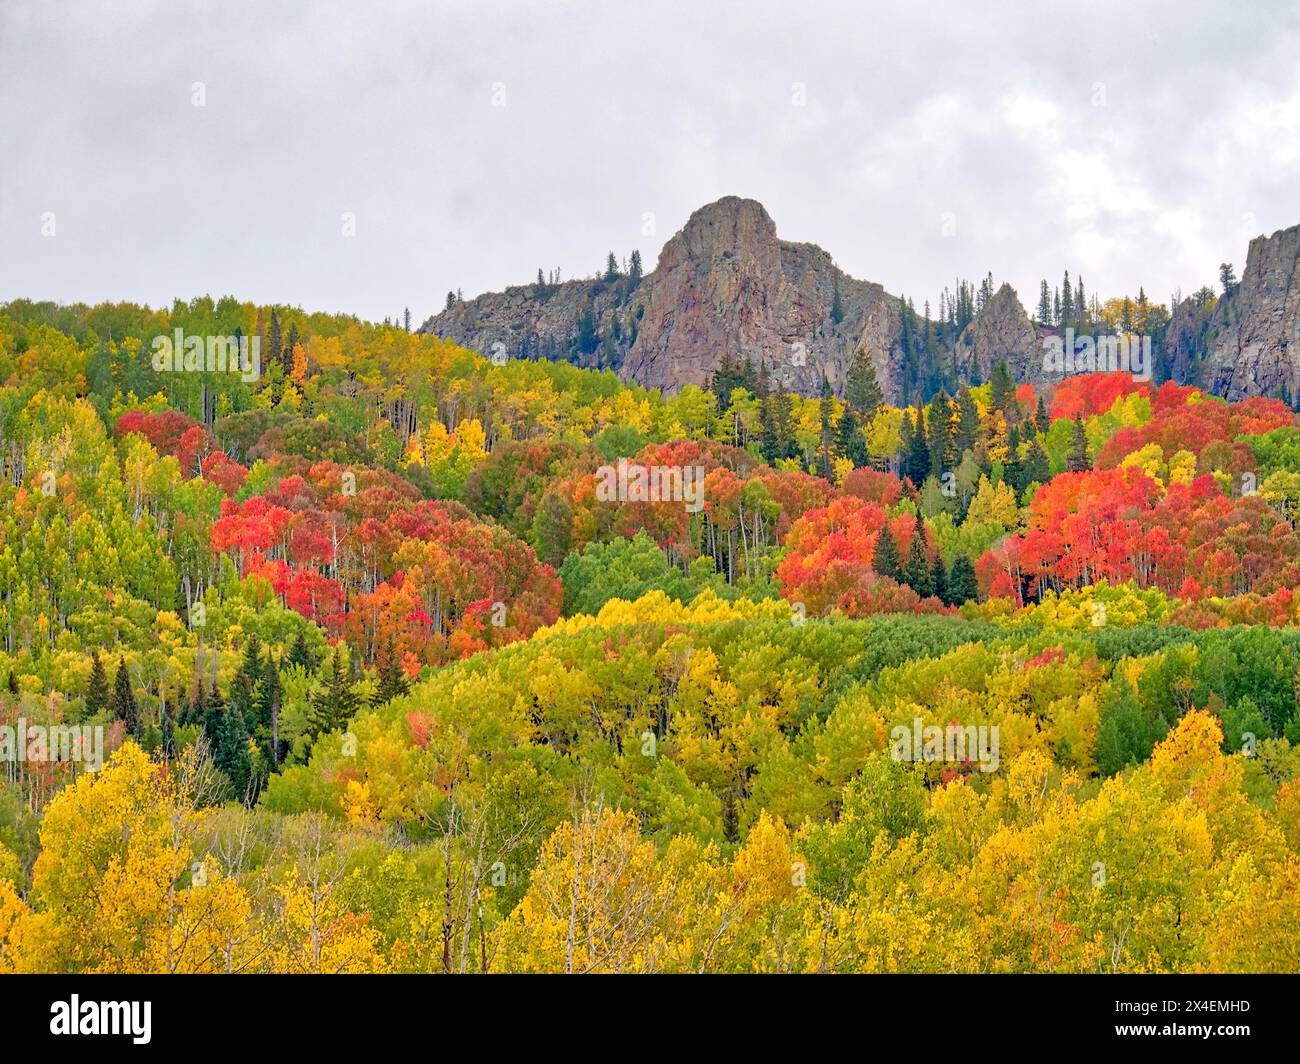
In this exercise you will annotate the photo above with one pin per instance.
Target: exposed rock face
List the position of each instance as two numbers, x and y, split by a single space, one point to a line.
726 284
544 321
1253 340
1001 330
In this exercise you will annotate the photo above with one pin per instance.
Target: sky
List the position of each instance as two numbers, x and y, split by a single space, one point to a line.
367 157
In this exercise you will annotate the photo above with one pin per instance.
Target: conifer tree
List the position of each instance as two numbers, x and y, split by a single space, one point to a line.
98 692
1078 460
122 703
391 680
962 585
939 579
885 560
862 387
334 704
917 573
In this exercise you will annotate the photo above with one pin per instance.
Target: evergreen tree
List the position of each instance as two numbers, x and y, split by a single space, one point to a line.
122 703
862 387
941 432
1044 313
1002 386
849 440
270 695
611 268
98 693
918 572
274 355
1078 460
634 269
906 430
968 423
1037 467
885 560
300 653
939 579
586 340
231 753
837 302
827 411
334 704
918 459
168 735
391 680
962 585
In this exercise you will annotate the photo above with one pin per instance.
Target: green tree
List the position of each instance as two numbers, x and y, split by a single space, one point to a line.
885 560
334 704
862 387
98 692
122 704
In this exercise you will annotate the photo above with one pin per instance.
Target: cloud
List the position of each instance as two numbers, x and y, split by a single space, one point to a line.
915 142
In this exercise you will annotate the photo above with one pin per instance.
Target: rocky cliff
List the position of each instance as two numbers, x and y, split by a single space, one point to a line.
1001 330
727 283
1250 344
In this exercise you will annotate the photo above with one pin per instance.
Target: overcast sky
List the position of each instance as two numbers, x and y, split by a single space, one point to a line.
1138 144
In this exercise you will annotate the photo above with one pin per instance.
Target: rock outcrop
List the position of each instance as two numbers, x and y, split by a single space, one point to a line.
1001 330
726 284
1252 343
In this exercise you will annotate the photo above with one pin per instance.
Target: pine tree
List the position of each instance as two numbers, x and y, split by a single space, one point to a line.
300 653
1037 467
274 354
962 585
862 387
1002 386
230 751
849 440
827 413
885 560
941 432
270 694
391 680
168 735
837 301
1044 305
918 571
968 423
634 269
122 703
98 692
334 704
918 460
939 579
906 430
1078 460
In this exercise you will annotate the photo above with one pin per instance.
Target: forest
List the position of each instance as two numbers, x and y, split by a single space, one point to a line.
387 682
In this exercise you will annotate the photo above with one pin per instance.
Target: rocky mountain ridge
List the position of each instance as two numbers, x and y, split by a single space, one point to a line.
726 283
